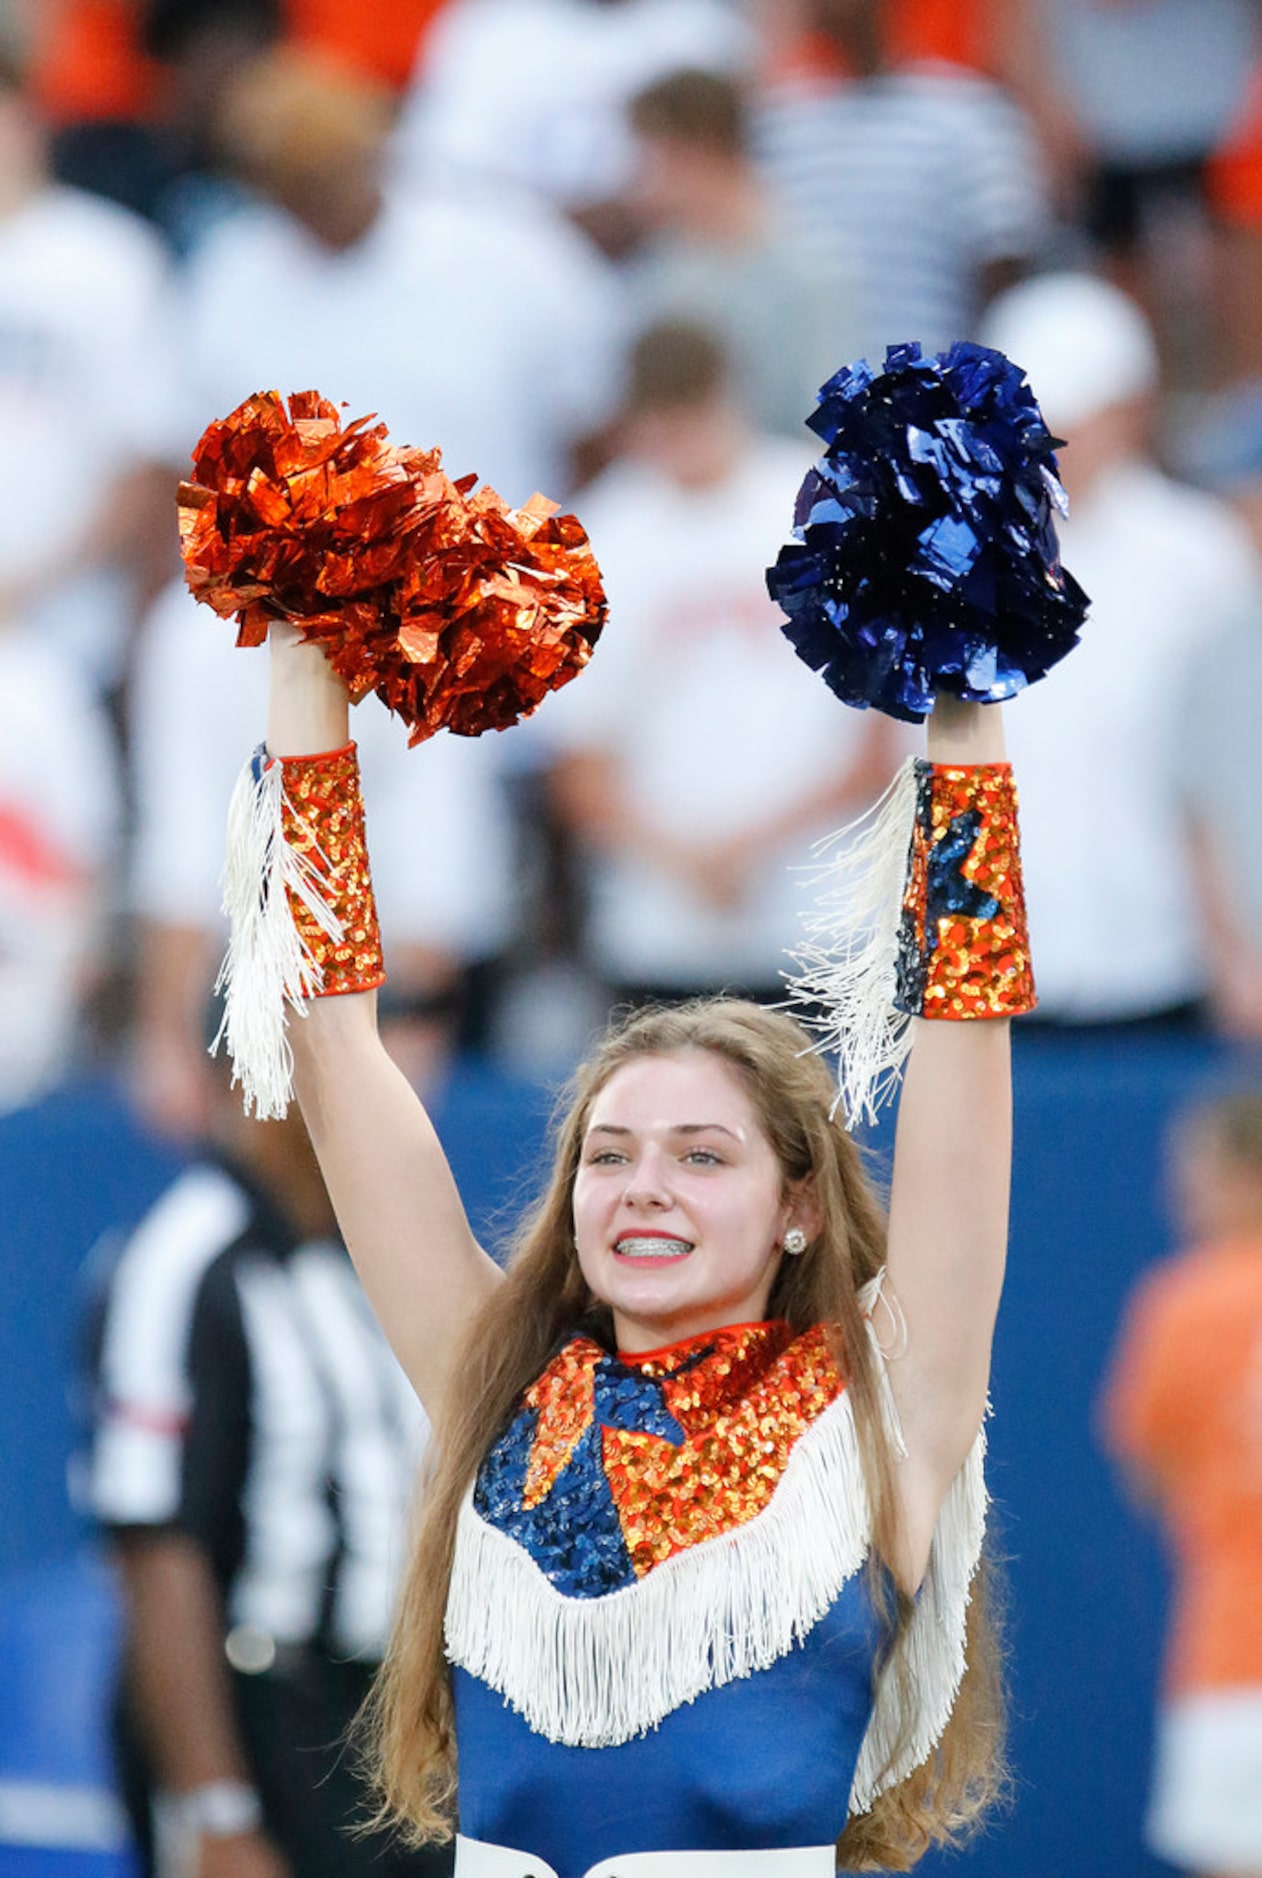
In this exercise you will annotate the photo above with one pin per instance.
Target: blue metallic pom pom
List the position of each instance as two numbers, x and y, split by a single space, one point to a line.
925 557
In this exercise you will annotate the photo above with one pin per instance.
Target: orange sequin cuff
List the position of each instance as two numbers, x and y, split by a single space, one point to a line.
963 948
323 821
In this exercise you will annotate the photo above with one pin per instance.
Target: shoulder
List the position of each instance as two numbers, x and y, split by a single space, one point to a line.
100 232
160 1268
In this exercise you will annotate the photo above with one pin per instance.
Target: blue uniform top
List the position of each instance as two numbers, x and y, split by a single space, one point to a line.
660 1624
764 1761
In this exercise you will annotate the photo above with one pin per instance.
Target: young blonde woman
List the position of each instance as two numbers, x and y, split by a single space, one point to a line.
697 1587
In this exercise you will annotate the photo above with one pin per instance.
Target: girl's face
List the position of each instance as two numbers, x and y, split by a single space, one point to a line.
680 1207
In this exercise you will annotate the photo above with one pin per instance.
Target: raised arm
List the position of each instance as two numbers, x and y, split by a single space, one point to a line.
948 1225
386 1173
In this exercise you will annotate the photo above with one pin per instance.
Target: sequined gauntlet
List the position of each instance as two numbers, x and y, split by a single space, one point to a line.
299 901
963 946
322 819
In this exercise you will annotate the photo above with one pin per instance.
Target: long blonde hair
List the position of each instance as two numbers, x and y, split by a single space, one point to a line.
408 1724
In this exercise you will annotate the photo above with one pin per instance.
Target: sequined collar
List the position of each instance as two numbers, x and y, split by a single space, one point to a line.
613 1465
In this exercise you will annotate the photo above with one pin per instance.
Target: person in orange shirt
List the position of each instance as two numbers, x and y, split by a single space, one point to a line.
1183 1417
90 63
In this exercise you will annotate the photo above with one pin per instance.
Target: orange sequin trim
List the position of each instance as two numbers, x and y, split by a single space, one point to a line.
323 819
743 1397
565 1398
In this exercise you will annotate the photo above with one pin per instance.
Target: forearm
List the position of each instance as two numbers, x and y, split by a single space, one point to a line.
949 1200
383 1165
177 1674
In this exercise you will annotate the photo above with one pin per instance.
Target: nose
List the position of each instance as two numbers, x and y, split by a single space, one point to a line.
646 1188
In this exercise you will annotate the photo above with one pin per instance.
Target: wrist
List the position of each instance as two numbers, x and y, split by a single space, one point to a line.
216 1809
308 710
960 734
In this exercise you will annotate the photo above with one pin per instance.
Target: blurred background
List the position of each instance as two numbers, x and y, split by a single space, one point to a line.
610 249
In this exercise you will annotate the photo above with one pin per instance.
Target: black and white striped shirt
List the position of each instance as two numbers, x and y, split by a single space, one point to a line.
918 181
245 1396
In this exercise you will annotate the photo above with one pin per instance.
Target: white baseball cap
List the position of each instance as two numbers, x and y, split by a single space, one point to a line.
1083 344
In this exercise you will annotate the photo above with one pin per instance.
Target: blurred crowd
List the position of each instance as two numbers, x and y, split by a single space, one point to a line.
609 249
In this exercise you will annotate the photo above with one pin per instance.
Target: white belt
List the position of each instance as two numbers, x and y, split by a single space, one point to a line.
476 1859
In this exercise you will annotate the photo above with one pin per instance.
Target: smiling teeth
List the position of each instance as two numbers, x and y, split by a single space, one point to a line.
653 1248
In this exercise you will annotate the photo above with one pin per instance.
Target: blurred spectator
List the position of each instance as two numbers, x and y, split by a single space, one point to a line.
87 63
463 323
442 859
534 92
1155 86
1183 1417
927 181
127 86
85 387
676 705
1220 765
254 1450
1096 744
100 61
721 253
59 824
1235 194
1003 40
380 42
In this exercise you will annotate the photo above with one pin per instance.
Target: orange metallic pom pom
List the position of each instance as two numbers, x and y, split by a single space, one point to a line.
459 612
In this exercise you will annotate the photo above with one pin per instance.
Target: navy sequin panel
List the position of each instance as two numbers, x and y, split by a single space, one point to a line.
574 1535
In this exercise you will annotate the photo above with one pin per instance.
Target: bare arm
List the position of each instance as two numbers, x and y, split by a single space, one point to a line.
181 1689
171 1074
385 1170
1235 963
948 1228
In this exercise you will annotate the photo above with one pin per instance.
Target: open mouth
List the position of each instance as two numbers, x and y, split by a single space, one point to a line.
651 1246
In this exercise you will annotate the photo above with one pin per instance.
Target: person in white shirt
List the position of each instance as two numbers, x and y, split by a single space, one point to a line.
85 385
60 811
1112 894
534 92
720 251
928 183
690 697
461 322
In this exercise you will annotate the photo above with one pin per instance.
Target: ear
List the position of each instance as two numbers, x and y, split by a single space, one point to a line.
801 1208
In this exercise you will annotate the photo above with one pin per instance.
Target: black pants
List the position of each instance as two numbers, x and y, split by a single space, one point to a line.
293 1723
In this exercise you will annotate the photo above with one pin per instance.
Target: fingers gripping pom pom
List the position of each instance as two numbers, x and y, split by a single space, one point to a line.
925 557
459 612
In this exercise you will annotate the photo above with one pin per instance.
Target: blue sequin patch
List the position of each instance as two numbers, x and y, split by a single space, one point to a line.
574 1534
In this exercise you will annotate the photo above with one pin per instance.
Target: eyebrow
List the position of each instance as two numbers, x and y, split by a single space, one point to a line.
675 1128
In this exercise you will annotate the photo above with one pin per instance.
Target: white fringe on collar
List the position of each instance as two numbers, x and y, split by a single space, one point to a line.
594 1672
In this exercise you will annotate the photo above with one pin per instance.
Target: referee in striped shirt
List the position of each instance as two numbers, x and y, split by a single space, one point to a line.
253 1455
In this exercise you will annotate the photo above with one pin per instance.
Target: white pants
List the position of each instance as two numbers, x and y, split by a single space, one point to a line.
1206 1807
476 1859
